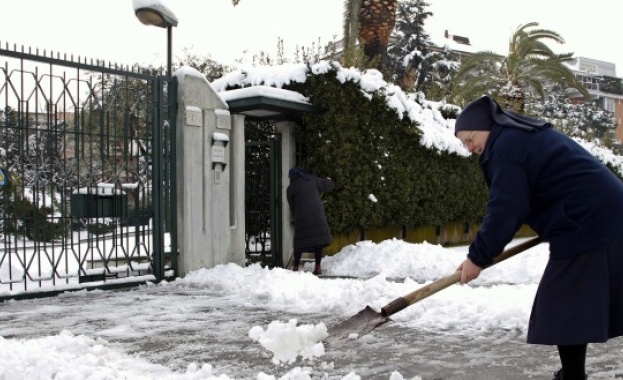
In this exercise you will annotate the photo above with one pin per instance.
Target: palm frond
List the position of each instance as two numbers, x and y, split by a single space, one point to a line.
528 67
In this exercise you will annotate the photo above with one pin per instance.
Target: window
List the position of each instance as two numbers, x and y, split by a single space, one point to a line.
606 71
589 82
587 67
609 104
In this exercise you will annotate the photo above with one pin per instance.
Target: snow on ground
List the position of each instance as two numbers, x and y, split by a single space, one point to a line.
373 275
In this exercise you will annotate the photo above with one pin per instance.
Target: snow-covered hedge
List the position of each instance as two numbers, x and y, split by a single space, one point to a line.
437 131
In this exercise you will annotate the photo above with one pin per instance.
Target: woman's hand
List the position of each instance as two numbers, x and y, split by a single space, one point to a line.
469 271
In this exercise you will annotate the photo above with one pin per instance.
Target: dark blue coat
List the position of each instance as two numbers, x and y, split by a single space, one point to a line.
546 180
310 221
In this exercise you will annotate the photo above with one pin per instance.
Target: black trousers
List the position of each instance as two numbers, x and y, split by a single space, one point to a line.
299 252
573 358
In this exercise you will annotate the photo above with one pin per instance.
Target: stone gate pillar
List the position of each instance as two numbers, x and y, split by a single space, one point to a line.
204 142
288 160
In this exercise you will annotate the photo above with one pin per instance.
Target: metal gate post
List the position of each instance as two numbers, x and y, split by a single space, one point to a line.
157 185
171 170
276 201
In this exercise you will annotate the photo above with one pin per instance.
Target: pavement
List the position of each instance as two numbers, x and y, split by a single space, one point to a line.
178 326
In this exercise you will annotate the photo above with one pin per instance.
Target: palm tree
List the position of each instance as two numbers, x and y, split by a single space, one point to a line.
371 22
376 23
529 66
350 31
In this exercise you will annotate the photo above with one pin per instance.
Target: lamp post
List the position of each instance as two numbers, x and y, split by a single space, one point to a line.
152 12
157 14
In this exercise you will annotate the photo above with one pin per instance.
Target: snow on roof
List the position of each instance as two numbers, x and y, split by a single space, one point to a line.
270 92
453 43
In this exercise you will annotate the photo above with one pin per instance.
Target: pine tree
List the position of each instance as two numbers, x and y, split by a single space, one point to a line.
444 65
409 57
584 120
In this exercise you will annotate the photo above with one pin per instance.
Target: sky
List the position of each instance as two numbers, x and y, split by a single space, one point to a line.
216 28
278 320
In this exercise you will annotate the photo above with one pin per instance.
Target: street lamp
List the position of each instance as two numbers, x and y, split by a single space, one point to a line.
156 14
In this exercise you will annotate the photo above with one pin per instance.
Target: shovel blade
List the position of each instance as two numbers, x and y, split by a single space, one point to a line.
360 324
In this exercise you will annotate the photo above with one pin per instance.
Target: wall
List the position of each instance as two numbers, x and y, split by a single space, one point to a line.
618 110
446 235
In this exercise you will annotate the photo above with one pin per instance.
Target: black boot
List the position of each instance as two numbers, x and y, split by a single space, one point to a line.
317 270
558 375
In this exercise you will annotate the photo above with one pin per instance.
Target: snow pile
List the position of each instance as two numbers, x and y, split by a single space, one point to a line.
66 356
287 341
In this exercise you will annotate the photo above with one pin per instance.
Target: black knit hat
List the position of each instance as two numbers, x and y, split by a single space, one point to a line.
482 114
476 116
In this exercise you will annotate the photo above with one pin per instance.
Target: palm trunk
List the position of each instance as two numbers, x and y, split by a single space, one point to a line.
376 23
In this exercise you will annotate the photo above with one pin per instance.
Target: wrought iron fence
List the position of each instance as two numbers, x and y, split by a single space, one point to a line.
262 196
86 174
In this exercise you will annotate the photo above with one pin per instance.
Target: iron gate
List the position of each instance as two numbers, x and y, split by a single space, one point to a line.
87 163
263 202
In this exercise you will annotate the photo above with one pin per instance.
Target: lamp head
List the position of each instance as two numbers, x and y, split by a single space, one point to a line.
154 14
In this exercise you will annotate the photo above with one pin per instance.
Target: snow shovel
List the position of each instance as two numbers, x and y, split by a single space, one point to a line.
367 319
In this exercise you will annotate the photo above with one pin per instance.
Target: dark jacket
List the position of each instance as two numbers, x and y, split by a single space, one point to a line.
310 221
541 177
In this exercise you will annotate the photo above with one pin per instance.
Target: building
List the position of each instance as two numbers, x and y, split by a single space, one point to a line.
599 78
459 44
